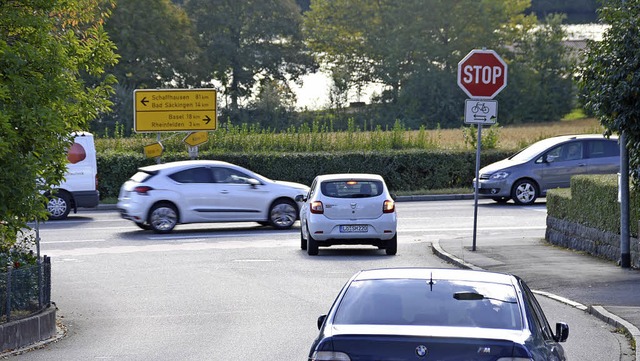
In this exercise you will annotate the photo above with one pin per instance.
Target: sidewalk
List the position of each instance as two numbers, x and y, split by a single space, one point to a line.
593 285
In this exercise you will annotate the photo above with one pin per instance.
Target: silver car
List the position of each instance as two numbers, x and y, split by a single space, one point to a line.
348 209
160 196
548 164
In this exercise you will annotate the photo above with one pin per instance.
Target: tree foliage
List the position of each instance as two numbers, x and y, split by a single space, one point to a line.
245 41
412 48
541 84
45 49
157 48
610 75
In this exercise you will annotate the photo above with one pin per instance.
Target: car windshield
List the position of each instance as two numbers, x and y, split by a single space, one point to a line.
430 303
534 150
352 188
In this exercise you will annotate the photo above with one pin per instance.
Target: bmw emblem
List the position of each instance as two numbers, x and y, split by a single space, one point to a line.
422 351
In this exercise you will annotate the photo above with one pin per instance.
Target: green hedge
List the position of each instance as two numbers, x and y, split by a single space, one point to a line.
404 170
592 201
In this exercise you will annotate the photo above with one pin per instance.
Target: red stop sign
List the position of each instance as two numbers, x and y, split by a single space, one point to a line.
482 74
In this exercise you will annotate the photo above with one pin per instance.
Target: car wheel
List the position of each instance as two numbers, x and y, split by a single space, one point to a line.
312 245
392 246
59 206
283 214
303 242
163 217
524 192
144 226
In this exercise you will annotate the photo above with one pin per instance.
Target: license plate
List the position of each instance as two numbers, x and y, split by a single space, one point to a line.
356 228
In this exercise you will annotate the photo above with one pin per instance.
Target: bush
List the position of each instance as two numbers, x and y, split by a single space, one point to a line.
404 170
592 201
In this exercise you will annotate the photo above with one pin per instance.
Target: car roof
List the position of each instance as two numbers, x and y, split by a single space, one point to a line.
183 164
348 176
452 274
562 138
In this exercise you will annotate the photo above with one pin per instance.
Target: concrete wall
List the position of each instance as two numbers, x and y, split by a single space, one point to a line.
589 240
27 331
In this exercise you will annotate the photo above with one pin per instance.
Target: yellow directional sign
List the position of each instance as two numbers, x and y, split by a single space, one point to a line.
196 138
153 150
174 110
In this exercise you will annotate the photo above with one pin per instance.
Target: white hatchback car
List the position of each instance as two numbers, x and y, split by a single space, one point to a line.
159 197
348 209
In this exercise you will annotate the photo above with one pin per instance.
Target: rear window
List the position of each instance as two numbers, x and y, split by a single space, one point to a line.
141 176
352 188
443 303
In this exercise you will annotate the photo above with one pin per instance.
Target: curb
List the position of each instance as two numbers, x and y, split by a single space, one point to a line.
597 311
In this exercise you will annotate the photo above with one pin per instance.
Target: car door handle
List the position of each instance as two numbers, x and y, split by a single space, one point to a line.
224 191
582 164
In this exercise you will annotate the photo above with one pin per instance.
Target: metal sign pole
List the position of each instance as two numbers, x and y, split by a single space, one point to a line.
476 186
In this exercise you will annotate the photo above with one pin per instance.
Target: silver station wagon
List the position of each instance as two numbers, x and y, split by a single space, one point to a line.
548 164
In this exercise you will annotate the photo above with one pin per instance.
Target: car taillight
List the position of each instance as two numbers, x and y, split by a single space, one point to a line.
330 356
142 190
388 206
316 207
96 181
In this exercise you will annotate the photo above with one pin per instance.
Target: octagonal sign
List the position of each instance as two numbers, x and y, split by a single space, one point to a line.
482 74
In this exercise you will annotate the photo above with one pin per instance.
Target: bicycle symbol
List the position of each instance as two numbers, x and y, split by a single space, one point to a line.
480 107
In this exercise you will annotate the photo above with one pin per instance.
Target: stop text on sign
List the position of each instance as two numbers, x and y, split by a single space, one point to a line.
482 74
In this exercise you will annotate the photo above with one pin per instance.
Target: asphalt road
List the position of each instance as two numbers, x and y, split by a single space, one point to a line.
241 291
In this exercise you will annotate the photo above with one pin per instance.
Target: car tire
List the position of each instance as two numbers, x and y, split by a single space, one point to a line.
392 246
501 200
283 214
312 245
163 217
303 242
143 226
59 206
524 192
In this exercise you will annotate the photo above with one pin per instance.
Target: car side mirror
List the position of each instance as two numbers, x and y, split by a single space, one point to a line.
321 321
562 332
253 182
300 198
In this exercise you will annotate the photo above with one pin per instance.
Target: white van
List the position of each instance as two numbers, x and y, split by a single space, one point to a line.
80 187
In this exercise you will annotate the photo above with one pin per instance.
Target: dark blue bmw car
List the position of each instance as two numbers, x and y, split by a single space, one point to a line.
427 314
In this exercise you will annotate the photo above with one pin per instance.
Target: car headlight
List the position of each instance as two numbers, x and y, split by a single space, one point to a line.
330 356
499 175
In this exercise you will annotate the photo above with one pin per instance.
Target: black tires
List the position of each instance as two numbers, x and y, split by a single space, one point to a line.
312 245
524 192
392 246
59 205
283 214
163 217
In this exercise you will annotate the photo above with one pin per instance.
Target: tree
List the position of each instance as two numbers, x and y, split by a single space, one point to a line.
610 74
157 48
246 41
541 81
412 47
45 49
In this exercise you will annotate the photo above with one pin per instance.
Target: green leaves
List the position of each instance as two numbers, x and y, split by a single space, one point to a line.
610 74
46 46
